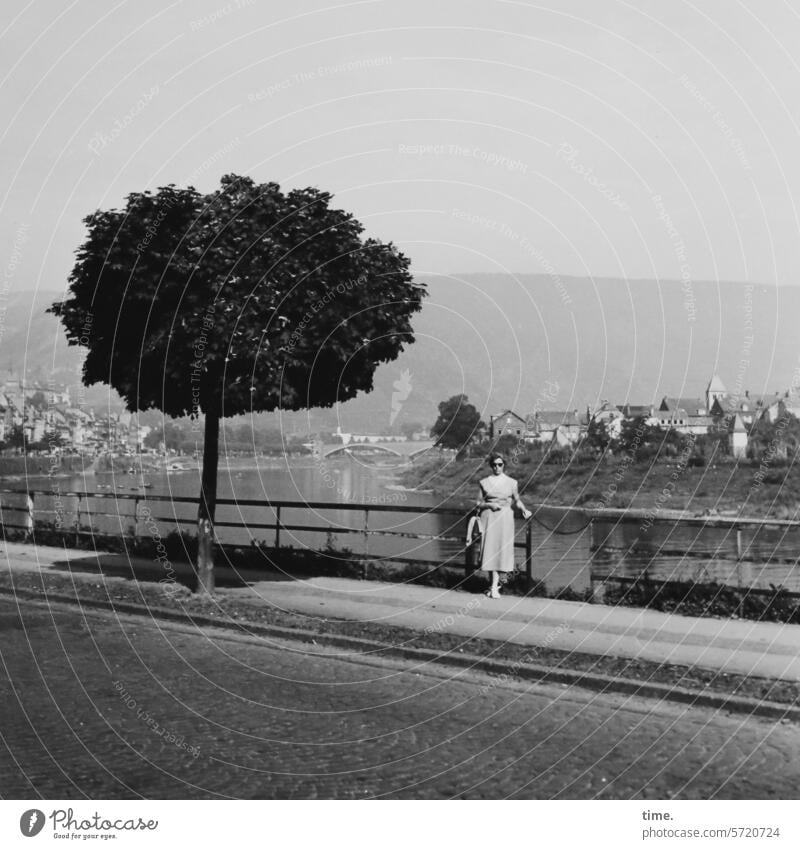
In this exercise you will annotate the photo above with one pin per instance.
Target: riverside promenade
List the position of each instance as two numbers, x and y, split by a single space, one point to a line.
724 646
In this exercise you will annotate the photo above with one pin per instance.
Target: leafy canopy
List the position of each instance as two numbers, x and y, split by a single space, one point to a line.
642 440
597 435
458 423
243 299
775 437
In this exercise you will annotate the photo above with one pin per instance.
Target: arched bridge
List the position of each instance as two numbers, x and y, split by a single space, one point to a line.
363 449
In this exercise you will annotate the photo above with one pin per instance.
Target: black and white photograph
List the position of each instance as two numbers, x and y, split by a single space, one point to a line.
400 402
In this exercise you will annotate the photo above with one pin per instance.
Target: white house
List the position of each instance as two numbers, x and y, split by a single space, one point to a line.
737 437
563 427
608 415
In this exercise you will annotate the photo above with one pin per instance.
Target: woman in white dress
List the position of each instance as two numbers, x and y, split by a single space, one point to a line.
499 495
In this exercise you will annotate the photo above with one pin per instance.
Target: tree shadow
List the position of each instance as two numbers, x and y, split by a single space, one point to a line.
226 574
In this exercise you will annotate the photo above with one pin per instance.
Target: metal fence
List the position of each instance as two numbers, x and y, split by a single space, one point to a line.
75 514
744 552
738 551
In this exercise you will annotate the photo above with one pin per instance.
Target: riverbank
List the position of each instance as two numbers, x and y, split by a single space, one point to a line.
725 488
18 467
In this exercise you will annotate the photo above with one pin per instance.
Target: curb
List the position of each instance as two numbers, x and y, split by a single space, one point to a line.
597 682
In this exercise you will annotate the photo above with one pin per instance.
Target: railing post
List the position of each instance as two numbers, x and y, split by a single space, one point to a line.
135 527
529 553
468 547
29 517
740 606
364 564
277 527
78 522
205 556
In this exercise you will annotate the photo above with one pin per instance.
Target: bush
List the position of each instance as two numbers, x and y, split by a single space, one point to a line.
507 445
692 598
561 456
568 594
585 456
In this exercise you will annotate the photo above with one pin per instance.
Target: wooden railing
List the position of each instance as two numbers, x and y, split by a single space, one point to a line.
132 524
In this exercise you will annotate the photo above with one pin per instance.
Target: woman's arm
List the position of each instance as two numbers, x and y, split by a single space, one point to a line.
526 514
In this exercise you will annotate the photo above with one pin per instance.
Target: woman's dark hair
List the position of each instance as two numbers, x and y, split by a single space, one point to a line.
495 456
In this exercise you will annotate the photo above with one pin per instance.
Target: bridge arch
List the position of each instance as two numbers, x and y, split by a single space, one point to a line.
363 449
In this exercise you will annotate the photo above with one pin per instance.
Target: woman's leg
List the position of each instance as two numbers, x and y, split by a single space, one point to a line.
494 589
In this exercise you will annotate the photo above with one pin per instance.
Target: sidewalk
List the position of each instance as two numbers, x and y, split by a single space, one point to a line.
758 649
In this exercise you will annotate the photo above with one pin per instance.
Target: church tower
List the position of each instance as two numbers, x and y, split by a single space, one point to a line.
715 390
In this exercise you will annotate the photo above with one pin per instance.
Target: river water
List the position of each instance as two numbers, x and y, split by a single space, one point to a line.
561 559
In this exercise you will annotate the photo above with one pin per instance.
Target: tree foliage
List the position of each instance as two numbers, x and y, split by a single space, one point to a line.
174 436
597 436
245 299
779 438
15 438
642 440
38 400
458 423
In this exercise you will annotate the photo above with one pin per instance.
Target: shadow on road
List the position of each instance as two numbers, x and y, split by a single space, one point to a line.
137 569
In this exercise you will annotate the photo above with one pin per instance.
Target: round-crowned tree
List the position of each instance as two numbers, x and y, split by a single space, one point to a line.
458 424
242 300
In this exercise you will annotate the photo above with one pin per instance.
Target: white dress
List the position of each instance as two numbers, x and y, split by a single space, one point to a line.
498 525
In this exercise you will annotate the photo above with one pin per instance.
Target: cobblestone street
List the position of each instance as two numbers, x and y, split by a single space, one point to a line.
101 706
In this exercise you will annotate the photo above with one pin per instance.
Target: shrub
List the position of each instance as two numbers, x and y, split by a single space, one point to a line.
693 598
561 456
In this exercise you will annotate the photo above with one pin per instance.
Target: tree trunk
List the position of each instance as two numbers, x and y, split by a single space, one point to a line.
208 505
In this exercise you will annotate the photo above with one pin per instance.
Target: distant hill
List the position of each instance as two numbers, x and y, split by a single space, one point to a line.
32 343
498 338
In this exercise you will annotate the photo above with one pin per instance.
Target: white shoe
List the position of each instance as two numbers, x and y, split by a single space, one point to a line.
493 593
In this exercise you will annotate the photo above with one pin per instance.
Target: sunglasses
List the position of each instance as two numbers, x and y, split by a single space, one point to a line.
498 464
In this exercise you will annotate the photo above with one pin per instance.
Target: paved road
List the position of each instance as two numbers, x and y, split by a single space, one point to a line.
98 706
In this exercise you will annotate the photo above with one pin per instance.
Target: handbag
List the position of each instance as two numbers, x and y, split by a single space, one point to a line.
474 543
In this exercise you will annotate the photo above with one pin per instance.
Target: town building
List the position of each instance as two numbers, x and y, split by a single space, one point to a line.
714 391
636 411
507 423
561 427
737 437
686 415
609 415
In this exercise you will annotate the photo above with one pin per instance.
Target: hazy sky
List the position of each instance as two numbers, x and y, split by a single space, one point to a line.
655 139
